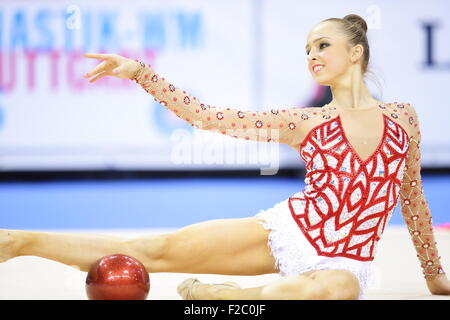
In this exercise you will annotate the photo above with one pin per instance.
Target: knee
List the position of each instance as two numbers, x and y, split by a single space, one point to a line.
343 285
149 250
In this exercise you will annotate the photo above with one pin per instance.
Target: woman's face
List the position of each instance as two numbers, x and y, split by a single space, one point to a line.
325 46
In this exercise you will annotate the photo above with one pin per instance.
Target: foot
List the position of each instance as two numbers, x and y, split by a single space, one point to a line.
193 289
186 287
9 247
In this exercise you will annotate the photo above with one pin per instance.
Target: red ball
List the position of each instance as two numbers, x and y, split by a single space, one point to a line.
117 277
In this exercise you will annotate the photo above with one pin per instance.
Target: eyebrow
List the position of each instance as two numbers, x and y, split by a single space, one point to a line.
306 47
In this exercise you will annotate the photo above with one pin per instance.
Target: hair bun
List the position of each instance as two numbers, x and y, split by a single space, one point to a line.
354 18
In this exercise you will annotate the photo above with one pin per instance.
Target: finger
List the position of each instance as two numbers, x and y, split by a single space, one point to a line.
101 75
96 70
96 55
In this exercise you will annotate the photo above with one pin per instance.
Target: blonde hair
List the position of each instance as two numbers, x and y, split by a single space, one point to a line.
354 28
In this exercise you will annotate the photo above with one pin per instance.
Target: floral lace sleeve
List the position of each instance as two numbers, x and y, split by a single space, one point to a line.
414 206
276 125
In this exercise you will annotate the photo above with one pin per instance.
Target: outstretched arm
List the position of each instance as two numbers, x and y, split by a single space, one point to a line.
417 216
276 125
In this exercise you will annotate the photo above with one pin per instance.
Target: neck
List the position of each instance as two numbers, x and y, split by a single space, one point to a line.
351 93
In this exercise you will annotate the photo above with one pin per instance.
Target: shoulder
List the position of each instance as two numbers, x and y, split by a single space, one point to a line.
310 115
309 118
404 114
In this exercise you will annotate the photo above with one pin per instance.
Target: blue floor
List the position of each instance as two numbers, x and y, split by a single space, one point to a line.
162 203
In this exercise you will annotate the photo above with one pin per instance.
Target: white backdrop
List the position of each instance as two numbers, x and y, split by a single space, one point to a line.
246 54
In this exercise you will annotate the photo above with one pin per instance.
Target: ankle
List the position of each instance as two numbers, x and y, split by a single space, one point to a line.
11 244
21 241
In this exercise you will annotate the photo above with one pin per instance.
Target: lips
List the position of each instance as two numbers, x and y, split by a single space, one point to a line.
317 67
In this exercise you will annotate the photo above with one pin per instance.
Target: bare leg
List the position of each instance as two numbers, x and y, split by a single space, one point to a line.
231 246
225 246
312 285
75 250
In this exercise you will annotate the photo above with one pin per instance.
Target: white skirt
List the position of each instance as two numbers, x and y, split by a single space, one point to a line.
295 255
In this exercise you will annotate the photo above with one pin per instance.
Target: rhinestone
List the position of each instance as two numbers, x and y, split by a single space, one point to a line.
331 186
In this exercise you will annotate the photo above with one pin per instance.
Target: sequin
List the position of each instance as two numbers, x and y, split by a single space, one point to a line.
361 220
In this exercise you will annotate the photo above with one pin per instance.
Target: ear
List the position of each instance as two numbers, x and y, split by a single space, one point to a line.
357 52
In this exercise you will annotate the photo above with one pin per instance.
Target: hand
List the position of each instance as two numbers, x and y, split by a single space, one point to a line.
439 285
112 65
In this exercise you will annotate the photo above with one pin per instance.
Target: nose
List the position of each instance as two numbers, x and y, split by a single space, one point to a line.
310 59
311 56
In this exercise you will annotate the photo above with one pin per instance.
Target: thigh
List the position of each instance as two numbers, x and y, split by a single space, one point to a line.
223 246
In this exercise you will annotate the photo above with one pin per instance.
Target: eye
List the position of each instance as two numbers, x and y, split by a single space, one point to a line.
320 46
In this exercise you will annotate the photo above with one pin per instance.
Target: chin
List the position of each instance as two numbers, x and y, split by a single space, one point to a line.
322 82
325 80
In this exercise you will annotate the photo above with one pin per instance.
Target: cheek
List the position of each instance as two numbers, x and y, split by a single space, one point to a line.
336 61
334 67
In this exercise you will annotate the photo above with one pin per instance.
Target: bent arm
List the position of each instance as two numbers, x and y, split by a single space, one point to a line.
415 210
281 125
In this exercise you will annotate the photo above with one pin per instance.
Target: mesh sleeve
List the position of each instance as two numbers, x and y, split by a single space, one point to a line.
275 125
414 206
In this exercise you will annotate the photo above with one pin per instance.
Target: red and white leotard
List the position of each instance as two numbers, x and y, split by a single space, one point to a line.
348 201
349 198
